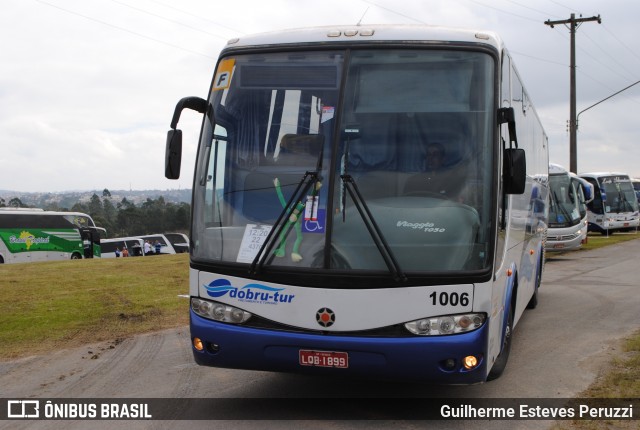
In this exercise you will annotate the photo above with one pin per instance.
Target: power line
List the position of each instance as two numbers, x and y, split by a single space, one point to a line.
503 11
395 12
126 30
197 16
173 21
538 58
621 42
561 5
614 59
530 8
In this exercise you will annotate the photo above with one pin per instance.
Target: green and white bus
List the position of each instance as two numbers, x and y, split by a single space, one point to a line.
37 235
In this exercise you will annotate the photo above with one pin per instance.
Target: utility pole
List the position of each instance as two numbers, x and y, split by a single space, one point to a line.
574 23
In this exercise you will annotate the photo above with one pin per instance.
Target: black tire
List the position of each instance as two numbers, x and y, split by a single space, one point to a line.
533 302
501 362
76 256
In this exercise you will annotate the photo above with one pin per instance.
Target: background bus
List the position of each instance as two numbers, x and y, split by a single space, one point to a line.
37 235
567 209
614 206
636 187
323 238
165 244
134 246
179 241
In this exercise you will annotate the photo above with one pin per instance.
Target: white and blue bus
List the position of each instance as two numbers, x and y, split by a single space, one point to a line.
614 206
325 238
568 198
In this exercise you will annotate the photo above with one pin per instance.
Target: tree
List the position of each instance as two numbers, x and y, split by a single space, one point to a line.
106 193
95 206
16 203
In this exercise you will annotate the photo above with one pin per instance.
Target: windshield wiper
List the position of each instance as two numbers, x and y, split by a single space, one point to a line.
625 202
561 207
375 232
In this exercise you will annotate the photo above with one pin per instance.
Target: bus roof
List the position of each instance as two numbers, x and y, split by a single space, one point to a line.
367 33
22 210
556 169
120 239
601 174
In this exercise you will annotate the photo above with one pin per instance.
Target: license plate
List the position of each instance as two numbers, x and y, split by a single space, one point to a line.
558 246
626 224
336 359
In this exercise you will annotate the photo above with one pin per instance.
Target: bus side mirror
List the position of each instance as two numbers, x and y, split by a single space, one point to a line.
173 154
514 164
514 173
587 190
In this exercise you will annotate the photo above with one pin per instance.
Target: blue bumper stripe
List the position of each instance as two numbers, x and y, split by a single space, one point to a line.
410 358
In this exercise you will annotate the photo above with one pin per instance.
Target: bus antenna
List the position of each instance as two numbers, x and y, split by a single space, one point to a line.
362 17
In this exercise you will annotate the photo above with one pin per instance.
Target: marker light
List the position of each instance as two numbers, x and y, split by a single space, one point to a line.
219 311
446 324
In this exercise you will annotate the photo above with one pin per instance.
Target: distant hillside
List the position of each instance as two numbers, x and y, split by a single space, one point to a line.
67 199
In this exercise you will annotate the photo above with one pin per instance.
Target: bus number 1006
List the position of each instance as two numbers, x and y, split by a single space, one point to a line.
449 299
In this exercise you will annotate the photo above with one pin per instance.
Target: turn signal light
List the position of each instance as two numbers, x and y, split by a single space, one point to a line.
197 344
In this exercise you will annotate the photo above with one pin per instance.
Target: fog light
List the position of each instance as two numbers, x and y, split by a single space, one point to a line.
449 364
470 362
197 344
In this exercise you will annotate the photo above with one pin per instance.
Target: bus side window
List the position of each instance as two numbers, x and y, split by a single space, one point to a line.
595 205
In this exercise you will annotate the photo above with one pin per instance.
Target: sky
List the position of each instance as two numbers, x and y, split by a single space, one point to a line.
88 87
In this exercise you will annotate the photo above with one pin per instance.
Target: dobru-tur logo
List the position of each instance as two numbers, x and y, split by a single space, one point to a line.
255 293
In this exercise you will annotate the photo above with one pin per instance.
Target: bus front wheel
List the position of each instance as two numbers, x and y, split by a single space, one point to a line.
76 256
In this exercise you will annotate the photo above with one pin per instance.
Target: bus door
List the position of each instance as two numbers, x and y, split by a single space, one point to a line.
91 242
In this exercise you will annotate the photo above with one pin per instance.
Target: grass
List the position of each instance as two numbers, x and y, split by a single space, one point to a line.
61 304
621 380
595 241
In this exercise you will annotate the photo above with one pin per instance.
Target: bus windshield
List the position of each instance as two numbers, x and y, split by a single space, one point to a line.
620 195
564 203
348 175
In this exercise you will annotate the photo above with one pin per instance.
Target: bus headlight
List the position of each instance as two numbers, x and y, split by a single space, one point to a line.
446 324
219 311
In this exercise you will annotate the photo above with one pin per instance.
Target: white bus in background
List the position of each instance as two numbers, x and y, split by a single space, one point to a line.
133 245
180 242
165 244
567 209
585 195
614 206
636 187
